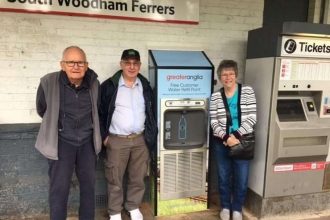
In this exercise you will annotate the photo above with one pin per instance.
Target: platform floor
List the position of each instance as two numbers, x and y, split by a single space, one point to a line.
211 214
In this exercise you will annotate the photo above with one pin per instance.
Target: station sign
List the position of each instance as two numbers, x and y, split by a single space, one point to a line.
168 11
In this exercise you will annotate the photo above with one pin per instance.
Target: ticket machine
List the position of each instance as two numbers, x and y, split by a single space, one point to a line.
289 68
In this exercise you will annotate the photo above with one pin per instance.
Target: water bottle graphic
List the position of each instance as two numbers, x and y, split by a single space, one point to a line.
182 127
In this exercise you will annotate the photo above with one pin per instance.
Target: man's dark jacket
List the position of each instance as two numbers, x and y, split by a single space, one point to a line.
109 89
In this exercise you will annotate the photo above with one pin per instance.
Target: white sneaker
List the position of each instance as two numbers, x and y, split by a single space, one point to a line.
115 217
136 214
225 214
237 215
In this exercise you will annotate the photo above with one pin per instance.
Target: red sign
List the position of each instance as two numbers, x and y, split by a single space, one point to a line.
320 165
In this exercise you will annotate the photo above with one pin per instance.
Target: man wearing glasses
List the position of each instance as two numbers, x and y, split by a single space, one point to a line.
69 134
128 129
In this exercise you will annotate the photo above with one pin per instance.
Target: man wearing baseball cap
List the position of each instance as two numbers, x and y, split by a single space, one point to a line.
129 132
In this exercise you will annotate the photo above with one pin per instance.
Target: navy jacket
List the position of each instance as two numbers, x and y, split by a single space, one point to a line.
109 90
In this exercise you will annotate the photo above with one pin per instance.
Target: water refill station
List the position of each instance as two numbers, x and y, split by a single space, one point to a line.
289 68
182 81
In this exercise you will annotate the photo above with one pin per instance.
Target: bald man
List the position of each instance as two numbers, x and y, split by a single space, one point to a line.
69 135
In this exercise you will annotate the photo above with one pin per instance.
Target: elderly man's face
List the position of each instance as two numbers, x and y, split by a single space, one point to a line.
74 65
130 67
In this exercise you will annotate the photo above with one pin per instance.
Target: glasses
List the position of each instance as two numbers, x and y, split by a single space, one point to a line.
73 63
228 75
129 64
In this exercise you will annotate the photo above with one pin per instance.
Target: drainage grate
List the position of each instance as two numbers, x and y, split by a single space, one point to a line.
182 175
101 201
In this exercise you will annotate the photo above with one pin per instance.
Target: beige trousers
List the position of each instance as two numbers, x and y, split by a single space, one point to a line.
131 155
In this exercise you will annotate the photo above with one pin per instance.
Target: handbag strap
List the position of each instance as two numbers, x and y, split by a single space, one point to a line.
224 100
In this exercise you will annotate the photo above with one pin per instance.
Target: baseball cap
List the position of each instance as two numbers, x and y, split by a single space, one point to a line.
130 54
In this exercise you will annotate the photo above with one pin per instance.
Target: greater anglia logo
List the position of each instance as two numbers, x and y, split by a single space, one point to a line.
184 77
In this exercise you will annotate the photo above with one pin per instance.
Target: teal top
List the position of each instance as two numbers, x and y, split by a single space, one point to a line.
232 103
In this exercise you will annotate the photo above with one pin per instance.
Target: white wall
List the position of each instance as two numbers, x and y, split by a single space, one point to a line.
31 45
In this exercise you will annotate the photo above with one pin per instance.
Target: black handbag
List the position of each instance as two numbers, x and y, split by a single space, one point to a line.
245 149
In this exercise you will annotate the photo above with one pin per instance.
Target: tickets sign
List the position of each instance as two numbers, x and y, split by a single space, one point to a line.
294 46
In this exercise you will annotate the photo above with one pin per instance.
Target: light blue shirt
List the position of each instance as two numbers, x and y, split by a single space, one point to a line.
129 115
